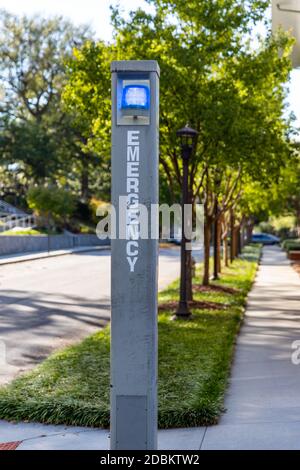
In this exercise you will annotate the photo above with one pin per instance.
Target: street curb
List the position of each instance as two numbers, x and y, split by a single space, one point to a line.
41 255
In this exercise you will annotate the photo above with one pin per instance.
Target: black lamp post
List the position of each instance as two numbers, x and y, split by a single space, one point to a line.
188 139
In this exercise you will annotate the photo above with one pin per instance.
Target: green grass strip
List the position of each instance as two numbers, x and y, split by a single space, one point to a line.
72 386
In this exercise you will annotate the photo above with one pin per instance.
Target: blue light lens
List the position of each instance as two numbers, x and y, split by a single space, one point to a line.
135 97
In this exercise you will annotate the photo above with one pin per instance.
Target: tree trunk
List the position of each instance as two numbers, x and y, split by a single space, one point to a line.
249 230
224 238
298 221
236 241
243 231
219 235
189 261
189 276
207 236
239 245
242 236
85 191
232 242
225 250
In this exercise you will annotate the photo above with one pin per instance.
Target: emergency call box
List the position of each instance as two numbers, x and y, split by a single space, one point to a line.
133 100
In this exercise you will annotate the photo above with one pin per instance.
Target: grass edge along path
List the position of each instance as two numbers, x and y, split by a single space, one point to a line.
71 387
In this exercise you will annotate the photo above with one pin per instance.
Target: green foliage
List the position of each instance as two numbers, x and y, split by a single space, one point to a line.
265 227
51 202
87 94
291 245
32 52
72 386
56 107
283 222
211 77
31 145
282 226
41 139
286 193
21 232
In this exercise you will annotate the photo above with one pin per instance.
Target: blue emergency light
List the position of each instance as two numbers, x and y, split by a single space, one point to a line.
135 97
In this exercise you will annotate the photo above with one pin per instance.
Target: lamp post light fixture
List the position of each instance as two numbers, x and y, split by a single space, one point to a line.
188 138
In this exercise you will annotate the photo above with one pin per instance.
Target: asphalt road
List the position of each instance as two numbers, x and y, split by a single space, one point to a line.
49 303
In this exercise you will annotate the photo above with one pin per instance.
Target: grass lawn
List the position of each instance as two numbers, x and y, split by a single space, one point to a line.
72 386
32 231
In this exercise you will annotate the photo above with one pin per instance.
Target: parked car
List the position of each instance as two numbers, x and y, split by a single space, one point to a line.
265 239
176 241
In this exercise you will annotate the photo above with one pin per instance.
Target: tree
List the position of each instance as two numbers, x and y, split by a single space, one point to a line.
212 79
284 197
255 142
86 98
38 134
33 51
31 144
53 204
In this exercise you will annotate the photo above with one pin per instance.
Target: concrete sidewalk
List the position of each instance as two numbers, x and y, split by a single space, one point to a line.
263 397
263 400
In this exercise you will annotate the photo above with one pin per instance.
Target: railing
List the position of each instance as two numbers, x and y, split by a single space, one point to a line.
7 208
11 221
11 216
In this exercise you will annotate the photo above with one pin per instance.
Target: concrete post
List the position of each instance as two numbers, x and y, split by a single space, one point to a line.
135 106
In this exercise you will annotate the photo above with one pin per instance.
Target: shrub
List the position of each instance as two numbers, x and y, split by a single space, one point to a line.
51 203
291 244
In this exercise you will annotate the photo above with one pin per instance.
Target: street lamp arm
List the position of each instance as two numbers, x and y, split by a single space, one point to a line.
289 10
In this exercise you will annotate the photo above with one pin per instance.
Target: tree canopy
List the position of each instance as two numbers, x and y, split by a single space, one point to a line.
56 115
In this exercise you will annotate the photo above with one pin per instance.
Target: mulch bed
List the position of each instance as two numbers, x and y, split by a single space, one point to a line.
215 288
172 305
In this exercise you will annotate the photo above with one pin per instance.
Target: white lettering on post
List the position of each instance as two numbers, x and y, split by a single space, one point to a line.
132 188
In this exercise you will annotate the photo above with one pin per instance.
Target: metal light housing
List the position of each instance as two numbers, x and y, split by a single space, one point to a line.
136 97
188 137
